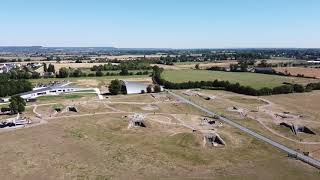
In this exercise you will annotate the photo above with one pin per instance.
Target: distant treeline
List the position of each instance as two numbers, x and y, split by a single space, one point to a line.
233 87
10 87
130 65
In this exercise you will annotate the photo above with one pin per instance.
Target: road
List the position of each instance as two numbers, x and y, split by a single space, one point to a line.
293 153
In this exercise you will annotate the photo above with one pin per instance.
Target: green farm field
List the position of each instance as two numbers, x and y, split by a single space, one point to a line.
254 80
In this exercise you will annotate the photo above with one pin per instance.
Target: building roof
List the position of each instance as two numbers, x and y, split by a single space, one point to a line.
46 89
134 87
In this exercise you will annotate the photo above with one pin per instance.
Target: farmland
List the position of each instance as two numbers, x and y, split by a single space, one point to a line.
307 72
244 78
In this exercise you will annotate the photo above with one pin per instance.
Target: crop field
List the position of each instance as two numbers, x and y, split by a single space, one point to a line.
308 72
254 80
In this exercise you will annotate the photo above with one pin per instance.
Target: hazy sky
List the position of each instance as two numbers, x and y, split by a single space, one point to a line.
161 23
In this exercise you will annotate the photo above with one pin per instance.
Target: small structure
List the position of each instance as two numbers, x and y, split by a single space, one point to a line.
138 123
295 129
136 120
208 120
213 139
72 109
51 90
5 111
17 121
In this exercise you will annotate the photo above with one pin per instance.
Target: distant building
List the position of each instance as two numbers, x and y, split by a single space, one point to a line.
5 68
132 87
314 62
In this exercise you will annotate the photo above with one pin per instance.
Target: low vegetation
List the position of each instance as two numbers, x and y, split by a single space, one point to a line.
10 87
248 85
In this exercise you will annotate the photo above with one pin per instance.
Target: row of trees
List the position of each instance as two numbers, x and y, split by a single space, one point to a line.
22 74
10 87
129 65
49 68
70 72
234 87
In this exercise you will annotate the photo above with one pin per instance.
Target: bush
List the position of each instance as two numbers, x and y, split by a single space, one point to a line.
99 73
157 88
284 89
149 89
115 87
298 88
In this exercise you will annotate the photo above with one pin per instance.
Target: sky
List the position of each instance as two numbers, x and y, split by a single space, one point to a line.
161 23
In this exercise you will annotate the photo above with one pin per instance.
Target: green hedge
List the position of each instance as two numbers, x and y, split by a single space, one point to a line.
233 87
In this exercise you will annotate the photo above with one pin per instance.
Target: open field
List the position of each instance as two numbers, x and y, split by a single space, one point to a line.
191 65
260 114
96 143
95 81
254 80
308 72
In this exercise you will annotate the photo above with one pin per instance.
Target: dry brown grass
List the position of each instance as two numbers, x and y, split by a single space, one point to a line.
305 104
102 147
307 72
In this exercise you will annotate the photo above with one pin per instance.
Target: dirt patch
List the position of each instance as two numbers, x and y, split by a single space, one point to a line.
150 108
87 82
307 72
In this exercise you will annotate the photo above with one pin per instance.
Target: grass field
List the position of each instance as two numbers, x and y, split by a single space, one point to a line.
95 78
64 96
244 78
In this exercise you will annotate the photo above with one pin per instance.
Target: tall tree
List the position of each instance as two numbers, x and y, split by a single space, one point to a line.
63 72
115 87
17 104
45 68
51 68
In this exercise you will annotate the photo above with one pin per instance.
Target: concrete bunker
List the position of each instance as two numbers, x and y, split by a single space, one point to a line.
296 128
72 109
213 139
208 120
16 121
137 121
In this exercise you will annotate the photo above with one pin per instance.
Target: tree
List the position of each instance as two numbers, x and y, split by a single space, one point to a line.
298 88
197 66
99 73
17 104
149 89
51 68
77 73
124 71
115 87
63 72
45 69
157 88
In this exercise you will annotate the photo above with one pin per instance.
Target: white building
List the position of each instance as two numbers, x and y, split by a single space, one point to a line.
132 87
55 90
